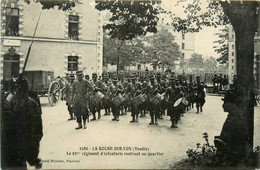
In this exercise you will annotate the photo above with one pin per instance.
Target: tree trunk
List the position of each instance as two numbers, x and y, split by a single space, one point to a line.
243 19
245 64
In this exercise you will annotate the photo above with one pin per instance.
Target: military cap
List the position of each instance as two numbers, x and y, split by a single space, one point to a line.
133 77
158 74
105 77
171 80
114 79
79 72
94 74
72 76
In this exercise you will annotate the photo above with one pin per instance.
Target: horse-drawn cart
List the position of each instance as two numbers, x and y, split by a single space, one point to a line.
45 84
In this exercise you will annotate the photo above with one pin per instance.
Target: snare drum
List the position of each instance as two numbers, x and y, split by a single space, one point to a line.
138 100
157 99
97 98
118 100
181 103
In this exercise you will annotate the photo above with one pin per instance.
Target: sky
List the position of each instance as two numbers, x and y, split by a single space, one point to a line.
203 39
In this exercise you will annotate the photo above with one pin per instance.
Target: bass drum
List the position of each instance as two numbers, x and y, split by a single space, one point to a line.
181 103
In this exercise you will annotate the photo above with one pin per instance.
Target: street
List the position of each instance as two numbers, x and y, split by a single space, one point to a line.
124 144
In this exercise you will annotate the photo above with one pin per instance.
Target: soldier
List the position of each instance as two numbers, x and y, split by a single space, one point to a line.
191 93
21 128
106 101
215 82
151 91
162 90
68 96
114 90
126 102
87 77
143 106
133 90
172 94
200 97
80 89
96 107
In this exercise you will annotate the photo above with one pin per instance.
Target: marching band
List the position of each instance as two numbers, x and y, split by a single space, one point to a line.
138 93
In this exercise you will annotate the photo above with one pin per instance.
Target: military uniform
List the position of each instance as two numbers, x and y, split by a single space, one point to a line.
80 90
133 90
172 93
21 129
151 90
115 89
68 96
106 102
97 86
200 97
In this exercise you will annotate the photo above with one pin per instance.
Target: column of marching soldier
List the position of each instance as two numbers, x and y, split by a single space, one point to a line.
138 93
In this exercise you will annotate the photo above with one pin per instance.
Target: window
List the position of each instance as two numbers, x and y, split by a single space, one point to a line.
232 67
233 46
12 22
73 27
183 55
98 61
182 46
232 60
232 53
73 63
11 64
233 36
183 36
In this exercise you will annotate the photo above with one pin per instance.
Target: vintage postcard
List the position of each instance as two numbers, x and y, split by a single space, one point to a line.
131 84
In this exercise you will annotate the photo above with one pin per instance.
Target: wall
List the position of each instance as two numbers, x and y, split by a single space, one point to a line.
51 44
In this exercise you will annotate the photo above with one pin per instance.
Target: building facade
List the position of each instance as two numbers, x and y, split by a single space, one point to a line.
64 41
232 59
186 42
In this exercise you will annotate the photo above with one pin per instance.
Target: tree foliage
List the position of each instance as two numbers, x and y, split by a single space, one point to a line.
61 4
129 18
222 46
196 18
127 51
163 49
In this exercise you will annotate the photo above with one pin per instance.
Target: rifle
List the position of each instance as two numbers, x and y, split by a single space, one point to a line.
30 46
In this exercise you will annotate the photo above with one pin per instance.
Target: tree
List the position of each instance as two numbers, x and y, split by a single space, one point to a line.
112 50
222 45
129 18
162 49
210 65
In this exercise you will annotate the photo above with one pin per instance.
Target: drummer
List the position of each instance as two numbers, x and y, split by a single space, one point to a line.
151 90
133 90
172 94
162 90
127 102
96 107
106 102
113 91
